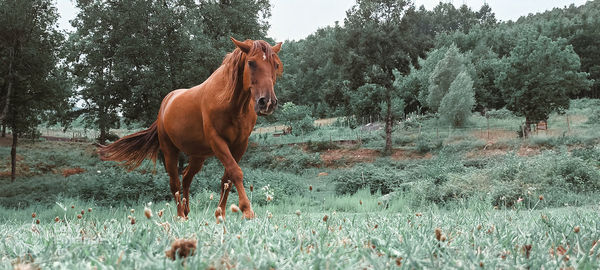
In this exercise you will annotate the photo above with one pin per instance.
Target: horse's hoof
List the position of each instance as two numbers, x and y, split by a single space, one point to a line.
219 215
249 214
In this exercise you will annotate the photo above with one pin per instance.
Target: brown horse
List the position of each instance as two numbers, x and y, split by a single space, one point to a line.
214 118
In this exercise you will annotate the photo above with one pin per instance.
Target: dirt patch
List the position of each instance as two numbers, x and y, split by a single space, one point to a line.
348 157
400 154
528 151
66 172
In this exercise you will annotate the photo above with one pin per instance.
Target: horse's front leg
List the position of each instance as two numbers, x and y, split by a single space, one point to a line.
233 173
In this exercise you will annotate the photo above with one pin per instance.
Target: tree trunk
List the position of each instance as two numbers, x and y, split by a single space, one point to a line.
9 87
527 129
13 156
102 136
388 128
3 130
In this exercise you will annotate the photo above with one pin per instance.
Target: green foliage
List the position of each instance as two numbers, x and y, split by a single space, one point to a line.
280 158
34 83
299 117
539 76
445 72
368 176
456 106
499 114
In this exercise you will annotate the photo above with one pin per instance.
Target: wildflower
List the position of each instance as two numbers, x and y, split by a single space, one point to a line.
33 215
310 188
132 210
210 197
418 214
160 213
98 171
56 219
360 202
167 204
298 212
376 225
479 227
325 218
90 210
79 216
269 198
147 212
234 208
37 221
541 197
519 200
72 206
270 215
132 221
576 229
181 248
226 186
438 234
82 212
238 236
251 188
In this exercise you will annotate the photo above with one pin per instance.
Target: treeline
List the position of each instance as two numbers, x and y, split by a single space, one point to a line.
389 58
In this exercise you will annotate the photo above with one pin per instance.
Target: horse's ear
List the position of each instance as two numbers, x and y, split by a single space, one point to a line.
277 47
243 46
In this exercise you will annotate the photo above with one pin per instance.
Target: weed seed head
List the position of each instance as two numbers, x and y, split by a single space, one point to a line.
234 208
33 215
78 216
147 212
576 229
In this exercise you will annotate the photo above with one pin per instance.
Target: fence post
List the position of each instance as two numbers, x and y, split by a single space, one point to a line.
568 124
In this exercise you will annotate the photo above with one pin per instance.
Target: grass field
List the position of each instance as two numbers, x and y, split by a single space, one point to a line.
445 198
471 235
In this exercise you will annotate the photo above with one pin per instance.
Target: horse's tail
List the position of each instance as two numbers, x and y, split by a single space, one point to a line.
132 149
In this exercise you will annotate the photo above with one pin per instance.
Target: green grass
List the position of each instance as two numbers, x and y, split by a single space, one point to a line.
374 237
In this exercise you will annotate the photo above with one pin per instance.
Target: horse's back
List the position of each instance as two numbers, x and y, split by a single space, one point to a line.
180 122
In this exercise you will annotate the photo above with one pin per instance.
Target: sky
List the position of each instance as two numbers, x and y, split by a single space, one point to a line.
296 19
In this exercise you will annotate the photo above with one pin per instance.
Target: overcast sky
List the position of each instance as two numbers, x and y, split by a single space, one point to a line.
296 19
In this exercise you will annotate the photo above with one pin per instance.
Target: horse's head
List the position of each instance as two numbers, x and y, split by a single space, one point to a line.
261 69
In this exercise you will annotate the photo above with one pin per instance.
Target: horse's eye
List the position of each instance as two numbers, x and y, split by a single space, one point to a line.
252 64
276 66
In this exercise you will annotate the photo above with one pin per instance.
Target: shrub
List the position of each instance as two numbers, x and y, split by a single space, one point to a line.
500 114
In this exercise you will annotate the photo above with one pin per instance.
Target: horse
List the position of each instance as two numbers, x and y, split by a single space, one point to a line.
214 118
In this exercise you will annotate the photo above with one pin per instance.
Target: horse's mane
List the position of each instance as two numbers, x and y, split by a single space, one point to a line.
234 66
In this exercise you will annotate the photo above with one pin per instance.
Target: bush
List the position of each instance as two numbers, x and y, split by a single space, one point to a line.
368 176
281 158
500 114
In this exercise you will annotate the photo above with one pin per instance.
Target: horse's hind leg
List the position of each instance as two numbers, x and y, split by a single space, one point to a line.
192 169
171 160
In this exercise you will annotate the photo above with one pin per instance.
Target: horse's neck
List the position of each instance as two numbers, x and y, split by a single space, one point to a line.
240 100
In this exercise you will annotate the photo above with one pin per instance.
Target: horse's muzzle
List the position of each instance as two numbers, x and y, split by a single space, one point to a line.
265 105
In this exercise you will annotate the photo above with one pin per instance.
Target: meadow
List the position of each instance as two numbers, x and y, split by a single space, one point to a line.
445 198
470 235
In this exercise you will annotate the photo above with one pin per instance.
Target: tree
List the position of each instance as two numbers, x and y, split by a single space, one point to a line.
383 36
456 106
444 74
34 85
538 77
